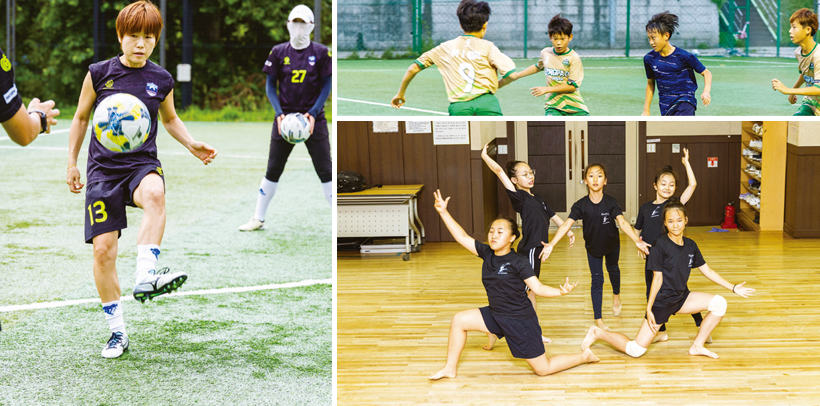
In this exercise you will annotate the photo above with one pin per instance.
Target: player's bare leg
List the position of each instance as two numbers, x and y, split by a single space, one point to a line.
531 296
467 320
543 366
105 267
150 197
491 339
698 302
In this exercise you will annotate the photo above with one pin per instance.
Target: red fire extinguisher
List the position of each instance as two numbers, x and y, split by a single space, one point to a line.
729 217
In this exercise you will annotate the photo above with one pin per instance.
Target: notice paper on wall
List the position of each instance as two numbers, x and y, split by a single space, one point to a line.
385 126
451 133
418 127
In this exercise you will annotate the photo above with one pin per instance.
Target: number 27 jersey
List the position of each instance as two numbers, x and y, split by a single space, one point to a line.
469 66
299 73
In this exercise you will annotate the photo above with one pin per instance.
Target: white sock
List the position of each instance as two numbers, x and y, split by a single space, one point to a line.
266 191
113 315
328 188
147 256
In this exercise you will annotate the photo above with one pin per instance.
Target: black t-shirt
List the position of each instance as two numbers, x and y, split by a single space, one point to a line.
151 84
11 100
535 214
299 73
675 262
600 231
650 221
503 278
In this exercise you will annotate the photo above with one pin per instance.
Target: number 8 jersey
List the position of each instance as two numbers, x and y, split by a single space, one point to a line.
469 66
299 73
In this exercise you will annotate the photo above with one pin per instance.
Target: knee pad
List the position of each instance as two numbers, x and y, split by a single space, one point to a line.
718 305
634 350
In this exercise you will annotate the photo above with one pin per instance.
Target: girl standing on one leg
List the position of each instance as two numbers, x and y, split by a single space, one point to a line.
599 212
510 313
673 257
651 224
535 213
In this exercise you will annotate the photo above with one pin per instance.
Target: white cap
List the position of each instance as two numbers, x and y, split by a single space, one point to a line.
302 12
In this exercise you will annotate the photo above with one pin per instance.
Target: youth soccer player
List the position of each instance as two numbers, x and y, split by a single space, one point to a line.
303 69
803 27
564 72
672 68
135 178
469 65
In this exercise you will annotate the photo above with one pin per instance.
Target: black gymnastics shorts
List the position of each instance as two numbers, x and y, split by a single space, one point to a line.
105 202
523 335
662 313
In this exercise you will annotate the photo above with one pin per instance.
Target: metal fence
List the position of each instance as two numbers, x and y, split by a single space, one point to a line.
601 27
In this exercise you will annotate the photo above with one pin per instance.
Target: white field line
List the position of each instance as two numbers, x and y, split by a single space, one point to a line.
64 130
48 305
160 154
387 105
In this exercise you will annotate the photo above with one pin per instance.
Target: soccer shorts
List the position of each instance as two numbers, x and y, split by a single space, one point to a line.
662 313
681 109
805 110
484 105
105 202
555 112
523 335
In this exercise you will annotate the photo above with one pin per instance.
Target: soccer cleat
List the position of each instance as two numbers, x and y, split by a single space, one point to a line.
161 283
116 345
252 224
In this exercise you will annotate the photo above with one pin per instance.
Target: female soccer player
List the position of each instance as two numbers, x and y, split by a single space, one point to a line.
673 257
651 224
510 313
132 178
303 70
599 212
535 214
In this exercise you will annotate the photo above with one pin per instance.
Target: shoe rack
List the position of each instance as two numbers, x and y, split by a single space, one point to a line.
763 175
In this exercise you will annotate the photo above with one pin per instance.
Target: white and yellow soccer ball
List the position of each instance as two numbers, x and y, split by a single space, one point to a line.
295 128
121 122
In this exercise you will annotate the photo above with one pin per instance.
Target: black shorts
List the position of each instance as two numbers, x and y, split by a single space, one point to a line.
105 202
523 335
662 313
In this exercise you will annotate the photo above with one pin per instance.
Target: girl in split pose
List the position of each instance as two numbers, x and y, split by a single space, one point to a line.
510 313
673 257
599 212
518 181
650 221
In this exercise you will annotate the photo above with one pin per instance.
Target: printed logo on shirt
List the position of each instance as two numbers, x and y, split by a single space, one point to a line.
11 94
565 62
691 259
312 60
556 73
5 63
109 84
159 171
286 61
503 269
655 212
151 89
329 53
267 63
606 218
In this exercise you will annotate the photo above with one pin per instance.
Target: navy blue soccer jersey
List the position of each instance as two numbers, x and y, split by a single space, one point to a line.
11 100
674 75
299 73
151 84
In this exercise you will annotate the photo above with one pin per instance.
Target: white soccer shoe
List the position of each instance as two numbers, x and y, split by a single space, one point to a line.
252 224
160 283
116 345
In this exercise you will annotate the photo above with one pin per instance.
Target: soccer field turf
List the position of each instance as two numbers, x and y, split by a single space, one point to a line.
268 346
611 87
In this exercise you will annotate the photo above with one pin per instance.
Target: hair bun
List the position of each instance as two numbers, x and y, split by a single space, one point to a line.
667 168
672 199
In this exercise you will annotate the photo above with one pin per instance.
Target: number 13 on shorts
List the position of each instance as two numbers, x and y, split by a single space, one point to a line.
96 212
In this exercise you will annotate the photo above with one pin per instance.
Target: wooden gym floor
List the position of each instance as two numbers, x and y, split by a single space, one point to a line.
393 319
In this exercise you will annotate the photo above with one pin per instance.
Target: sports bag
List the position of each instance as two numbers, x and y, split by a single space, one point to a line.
350 182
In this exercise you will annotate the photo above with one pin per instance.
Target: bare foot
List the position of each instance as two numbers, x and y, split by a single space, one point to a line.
661 337
702 351
545 340
601 325
492 339
590 356
590 338
444 373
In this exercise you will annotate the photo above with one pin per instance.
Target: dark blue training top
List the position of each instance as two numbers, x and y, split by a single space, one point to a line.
151 84
299 73
675 76
11 100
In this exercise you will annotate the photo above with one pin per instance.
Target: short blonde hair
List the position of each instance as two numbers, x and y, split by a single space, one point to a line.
141 16
806 18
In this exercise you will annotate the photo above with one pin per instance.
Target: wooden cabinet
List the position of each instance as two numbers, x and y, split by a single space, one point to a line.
763 174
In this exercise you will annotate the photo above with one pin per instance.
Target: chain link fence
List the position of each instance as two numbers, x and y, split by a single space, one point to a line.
405 28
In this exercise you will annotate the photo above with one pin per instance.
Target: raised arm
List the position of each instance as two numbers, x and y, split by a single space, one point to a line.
497 170
713 276
530 70
174 125
562 230
558 222
629 231
548 291
455 229
690 174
